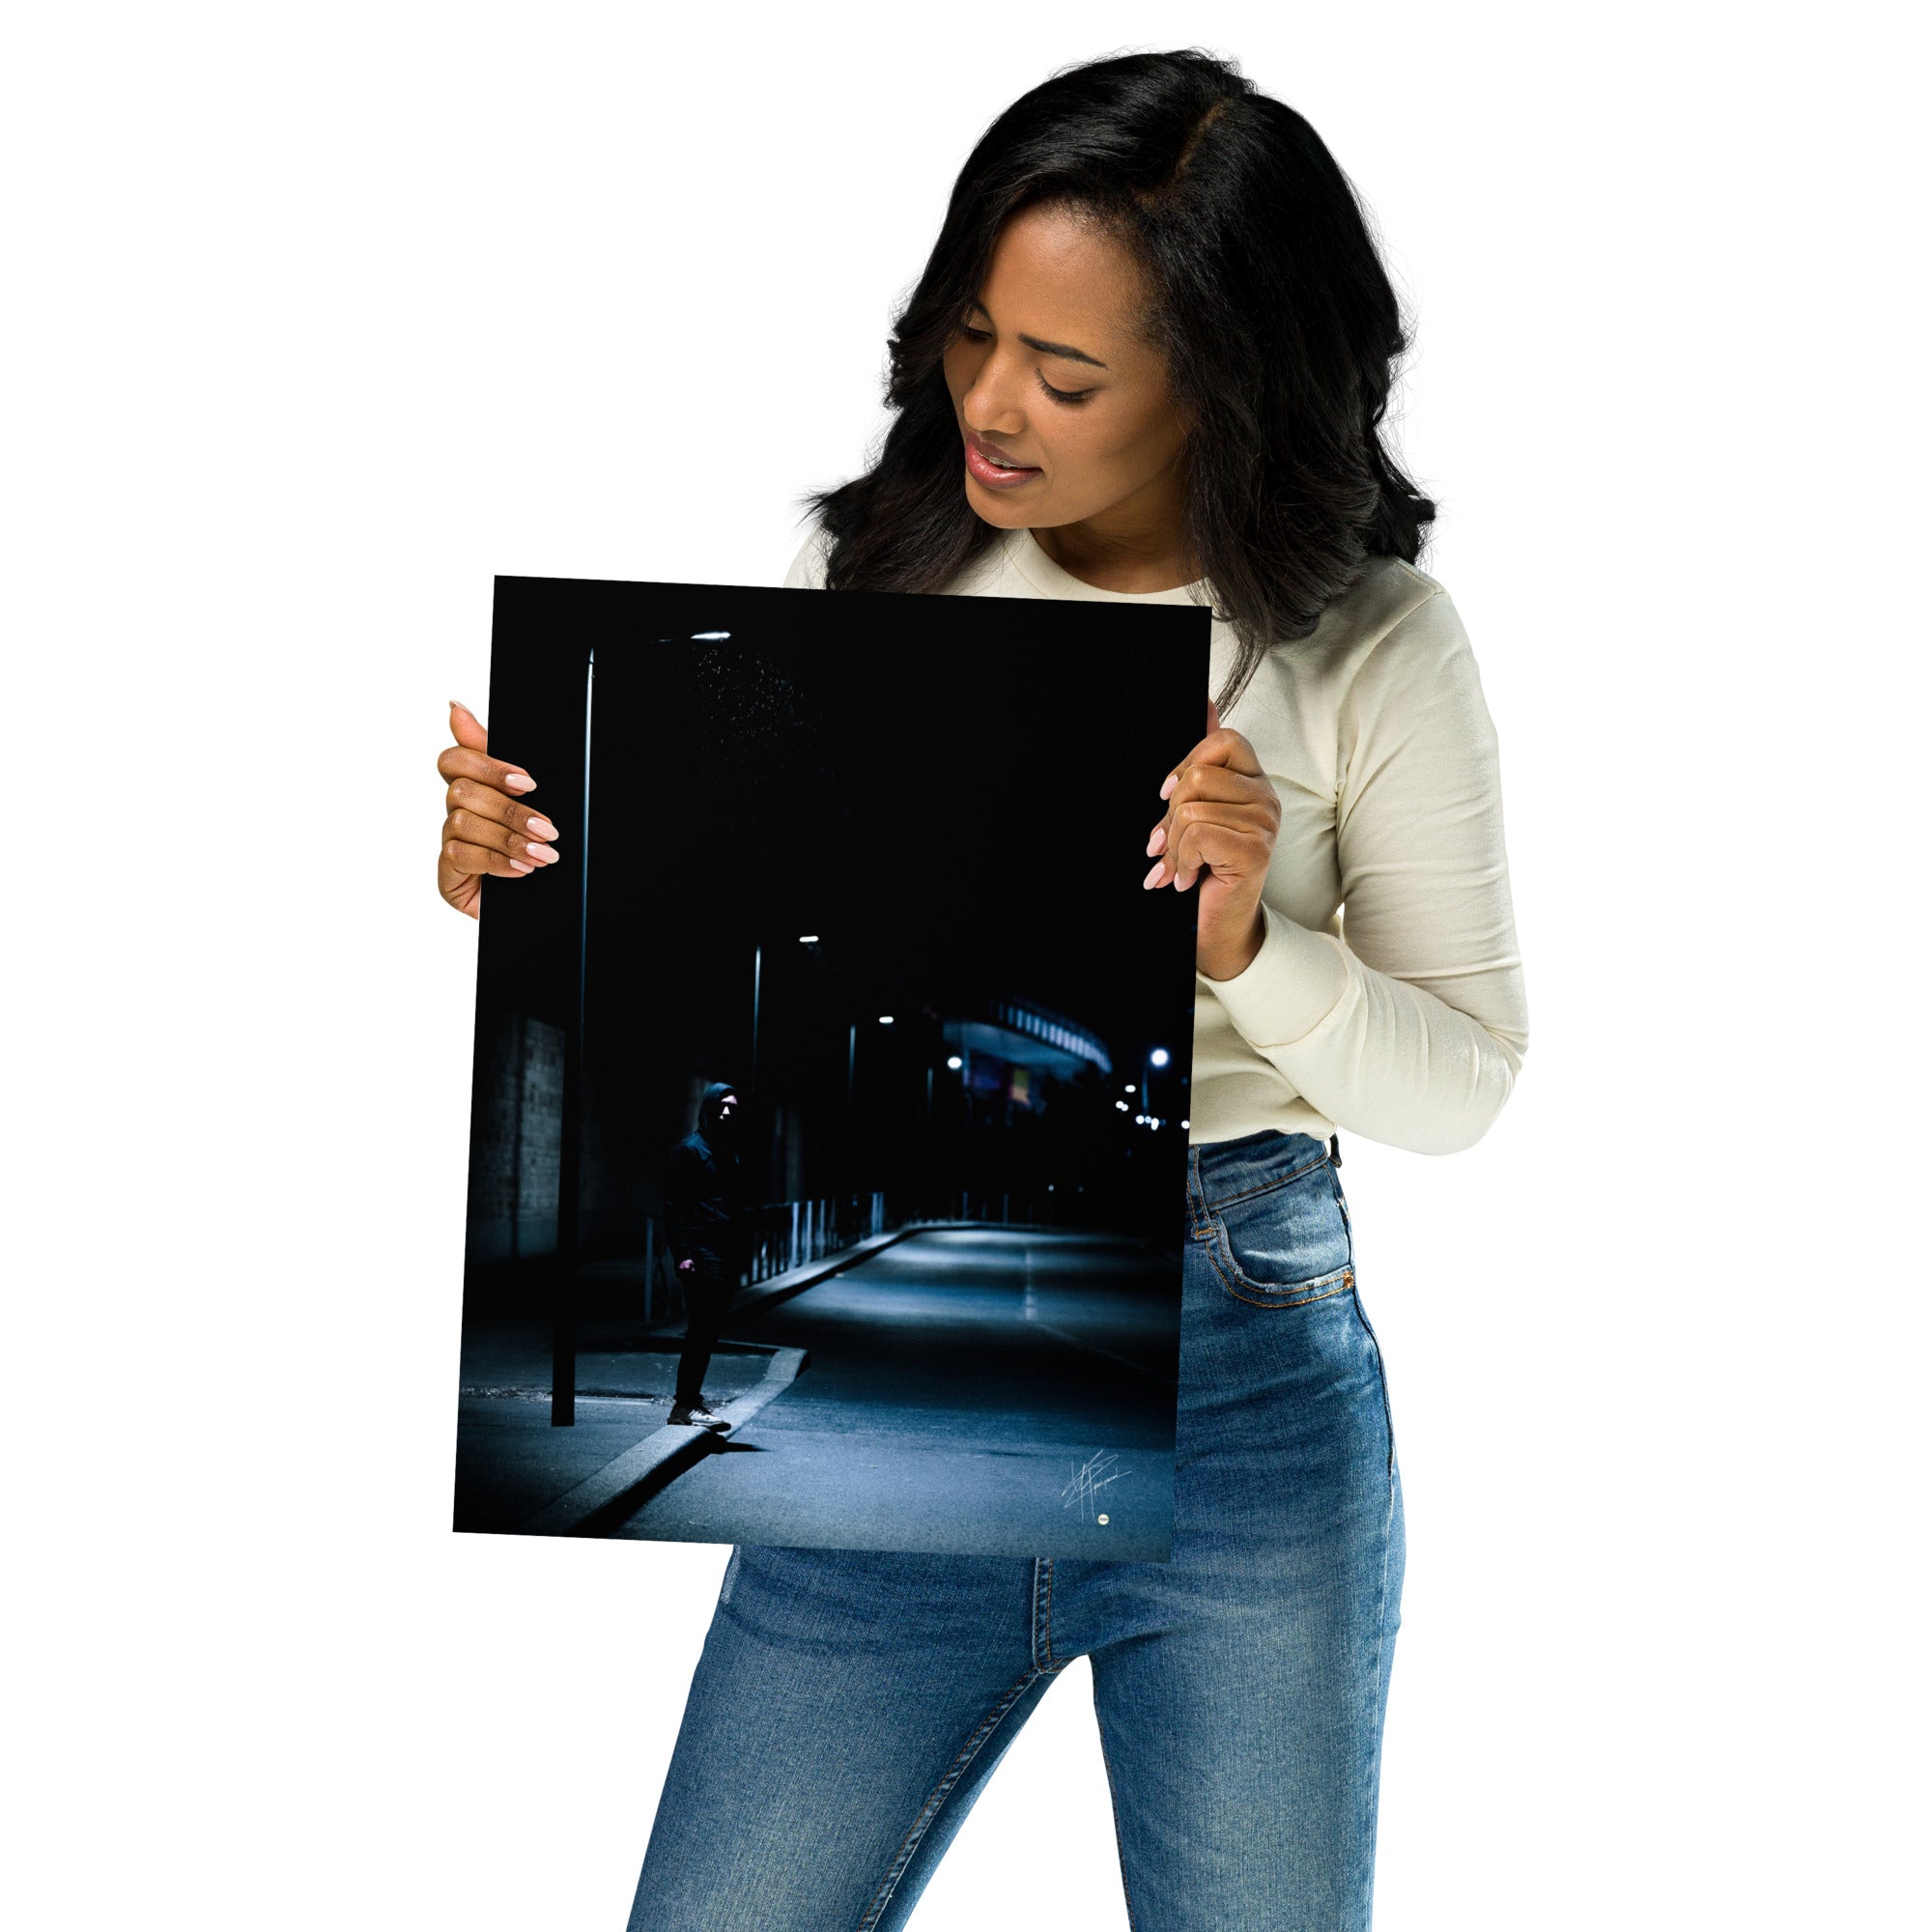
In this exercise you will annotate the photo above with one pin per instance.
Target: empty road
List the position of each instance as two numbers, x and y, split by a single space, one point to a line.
988 1391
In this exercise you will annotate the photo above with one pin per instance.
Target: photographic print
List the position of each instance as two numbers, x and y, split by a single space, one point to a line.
829 1122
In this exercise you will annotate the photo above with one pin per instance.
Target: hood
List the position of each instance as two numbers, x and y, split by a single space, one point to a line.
709 1124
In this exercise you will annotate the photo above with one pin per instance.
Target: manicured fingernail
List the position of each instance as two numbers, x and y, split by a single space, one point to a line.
545 854
542 827
457 704
1173 779
518 865
1159 840
517 781
1160 867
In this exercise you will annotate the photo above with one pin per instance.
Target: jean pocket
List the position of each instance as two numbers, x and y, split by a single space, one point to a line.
1285 1243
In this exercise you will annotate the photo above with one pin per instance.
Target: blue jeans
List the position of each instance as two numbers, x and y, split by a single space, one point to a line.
849 1704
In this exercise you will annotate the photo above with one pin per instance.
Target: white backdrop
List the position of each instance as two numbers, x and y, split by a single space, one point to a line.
322 316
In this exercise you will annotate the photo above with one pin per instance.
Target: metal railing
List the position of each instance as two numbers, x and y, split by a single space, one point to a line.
787 1235
780 1235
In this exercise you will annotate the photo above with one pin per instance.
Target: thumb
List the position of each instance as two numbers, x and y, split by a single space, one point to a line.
467 728
1214 717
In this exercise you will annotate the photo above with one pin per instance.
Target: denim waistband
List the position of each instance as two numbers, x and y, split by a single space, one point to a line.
1219 1171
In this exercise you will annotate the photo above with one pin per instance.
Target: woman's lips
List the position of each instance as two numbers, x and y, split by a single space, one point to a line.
995 474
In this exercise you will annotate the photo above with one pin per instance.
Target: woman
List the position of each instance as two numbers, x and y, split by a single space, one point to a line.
1148 359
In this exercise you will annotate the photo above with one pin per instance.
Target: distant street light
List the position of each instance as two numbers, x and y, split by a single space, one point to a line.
807 939
955 1062
885 1019
1157 1057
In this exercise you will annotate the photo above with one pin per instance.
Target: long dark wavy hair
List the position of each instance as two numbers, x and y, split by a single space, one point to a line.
1268 300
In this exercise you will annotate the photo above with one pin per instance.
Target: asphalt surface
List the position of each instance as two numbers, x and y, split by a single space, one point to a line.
987 1391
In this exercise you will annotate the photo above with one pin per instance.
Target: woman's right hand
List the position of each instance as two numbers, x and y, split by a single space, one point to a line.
487 828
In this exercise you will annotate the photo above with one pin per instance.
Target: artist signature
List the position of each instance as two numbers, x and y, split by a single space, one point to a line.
1089 1479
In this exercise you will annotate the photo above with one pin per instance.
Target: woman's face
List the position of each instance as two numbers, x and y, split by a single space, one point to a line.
1056 314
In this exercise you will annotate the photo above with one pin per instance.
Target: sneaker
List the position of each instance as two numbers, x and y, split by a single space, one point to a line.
701 1417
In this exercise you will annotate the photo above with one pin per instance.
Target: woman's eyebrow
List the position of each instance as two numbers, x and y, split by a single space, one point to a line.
1050 348
1061 348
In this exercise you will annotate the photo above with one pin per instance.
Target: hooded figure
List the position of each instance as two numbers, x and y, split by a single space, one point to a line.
704 1208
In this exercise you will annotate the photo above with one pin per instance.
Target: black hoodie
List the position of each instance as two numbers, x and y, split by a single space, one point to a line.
704 1193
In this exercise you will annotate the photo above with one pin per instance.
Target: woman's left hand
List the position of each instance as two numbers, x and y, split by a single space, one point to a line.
1222 817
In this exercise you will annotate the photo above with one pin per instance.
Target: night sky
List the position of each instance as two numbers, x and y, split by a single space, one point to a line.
954 793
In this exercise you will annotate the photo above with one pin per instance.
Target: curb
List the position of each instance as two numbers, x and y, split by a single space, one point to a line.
656 1455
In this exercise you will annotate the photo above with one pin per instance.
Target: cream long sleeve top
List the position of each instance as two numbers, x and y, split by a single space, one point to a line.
1387 997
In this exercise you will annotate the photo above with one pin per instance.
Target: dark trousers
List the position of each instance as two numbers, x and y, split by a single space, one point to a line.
707 1294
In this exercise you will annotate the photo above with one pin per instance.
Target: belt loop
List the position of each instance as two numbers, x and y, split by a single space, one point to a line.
1335 1148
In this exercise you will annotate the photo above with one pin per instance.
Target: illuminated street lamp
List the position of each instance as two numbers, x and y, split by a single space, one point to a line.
1157 1057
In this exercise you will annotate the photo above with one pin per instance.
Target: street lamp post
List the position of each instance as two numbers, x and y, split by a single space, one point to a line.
1157 1057
570 1154
757 987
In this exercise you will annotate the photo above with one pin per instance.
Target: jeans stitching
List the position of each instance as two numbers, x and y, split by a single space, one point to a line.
1381 1382
1249 1194
1372 1690
1343 1279
1197 1201
968 1752
1042 1619
1114 1794
1370 1792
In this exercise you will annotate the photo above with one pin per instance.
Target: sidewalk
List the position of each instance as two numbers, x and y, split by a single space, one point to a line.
515 1473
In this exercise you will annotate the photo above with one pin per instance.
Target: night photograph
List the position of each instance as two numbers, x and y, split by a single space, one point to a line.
829 1118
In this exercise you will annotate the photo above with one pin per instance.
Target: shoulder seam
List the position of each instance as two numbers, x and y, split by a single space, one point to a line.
1420 575
1430 592
814 545
1388 630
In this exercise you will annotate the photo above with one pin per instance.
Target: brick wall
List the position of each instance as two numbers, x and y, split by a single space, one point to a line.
515 1141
